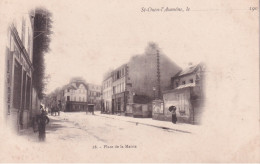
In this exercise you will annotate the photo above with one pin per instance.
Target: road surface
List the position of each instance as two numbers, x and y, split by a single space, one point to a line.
77 137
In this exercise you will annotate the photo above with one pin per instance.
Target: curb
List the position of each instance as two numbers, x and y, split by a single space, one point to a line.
161 127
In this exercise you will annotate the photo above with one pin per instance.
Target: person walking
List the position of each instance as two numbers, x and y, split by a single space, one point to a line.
172 109
42 121
59 107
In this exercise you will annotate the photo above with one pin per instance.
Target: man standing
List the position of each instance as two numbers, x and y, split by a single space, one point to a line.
42 121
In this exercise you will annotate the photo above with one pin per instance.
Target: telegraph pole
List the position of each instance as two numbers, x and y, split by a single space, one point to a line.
158 75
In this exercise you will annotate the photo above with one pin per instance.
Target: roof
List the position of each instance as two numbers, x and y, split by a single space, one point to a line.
78 84
186 85
71 86
181 87
187 71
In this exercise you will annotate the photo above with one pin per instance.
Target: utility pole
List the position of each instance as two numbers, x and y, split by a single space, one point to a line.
158 75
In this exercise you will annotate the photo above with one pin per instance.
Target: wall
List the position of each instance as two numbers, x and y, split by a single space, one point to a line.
180 99
143 73
186 78
19 63
107 94
188 103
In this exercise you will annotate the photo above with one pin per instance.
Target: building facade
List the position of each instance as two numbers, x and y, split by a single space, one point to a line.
119 97
138 82
187 95
75 95
19 69
107 93
94 95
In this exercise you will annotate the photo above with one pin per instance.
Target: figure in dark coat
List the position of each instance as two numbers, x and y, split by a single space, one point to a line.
42 121
174 116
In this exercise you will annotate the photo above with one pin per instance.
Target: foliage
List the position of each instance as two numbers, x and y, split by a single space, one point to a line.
42 38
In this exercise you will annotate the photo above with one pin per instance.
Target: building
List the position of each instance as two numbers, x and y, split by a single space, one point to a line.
75 96
119 92
94 95
19 68
141 80
187 95
107 93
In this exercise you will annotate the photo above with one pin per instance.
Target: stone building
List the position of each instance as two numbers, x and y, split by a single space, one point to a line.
75 95
18 81
107 93
187 95
119 97
94 95
141 80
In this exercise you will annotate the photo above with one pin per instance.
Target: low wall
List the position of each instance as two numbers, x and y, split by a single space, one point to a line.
139 110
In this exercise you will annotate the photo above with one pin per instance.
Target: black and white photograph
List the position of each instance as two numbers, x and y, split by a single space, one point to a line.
109 81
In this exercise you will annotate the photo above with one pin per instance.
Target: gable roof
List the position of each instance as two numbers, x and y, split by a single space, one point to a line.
76 86
69 87
187 71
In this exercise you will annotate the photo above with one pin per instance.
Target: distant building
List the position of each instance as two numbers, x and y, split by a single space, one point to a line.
75 95
187 95
19 68
94 95
107 92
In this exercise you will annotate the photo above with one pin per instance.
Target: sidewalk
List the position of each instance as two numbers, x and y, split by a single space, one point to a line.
29 134
179 127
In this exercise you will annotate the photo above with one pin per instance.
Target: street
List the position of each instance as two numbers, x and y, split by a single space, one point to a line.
81 137
100 135
80 127
78 137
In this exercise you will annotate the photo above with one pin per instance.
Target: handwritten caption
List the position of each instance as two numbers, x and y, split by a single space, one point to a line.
187 9
114 147
164 9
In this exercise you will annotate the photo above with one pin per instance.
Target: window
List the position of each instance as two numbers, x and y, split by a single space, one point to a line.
17 85
183 82
114 89
68 98
117 75
28 93
79 98
23 89
177 84
123 72
191 80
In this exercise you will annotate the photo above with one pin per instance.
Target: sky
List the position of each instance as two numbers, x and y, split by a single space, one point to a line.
89 40
91 37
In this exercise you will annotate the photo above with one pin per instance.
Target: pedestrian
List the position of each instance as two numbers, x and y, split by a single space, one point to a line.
174 116
42 121
59 107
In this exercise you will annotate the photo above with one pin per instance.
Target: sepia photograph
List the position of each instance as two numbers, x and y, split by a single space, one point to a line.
109 81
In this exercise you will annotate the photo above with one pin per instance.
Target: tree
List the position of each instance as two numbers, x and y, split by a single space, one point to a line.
42 38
